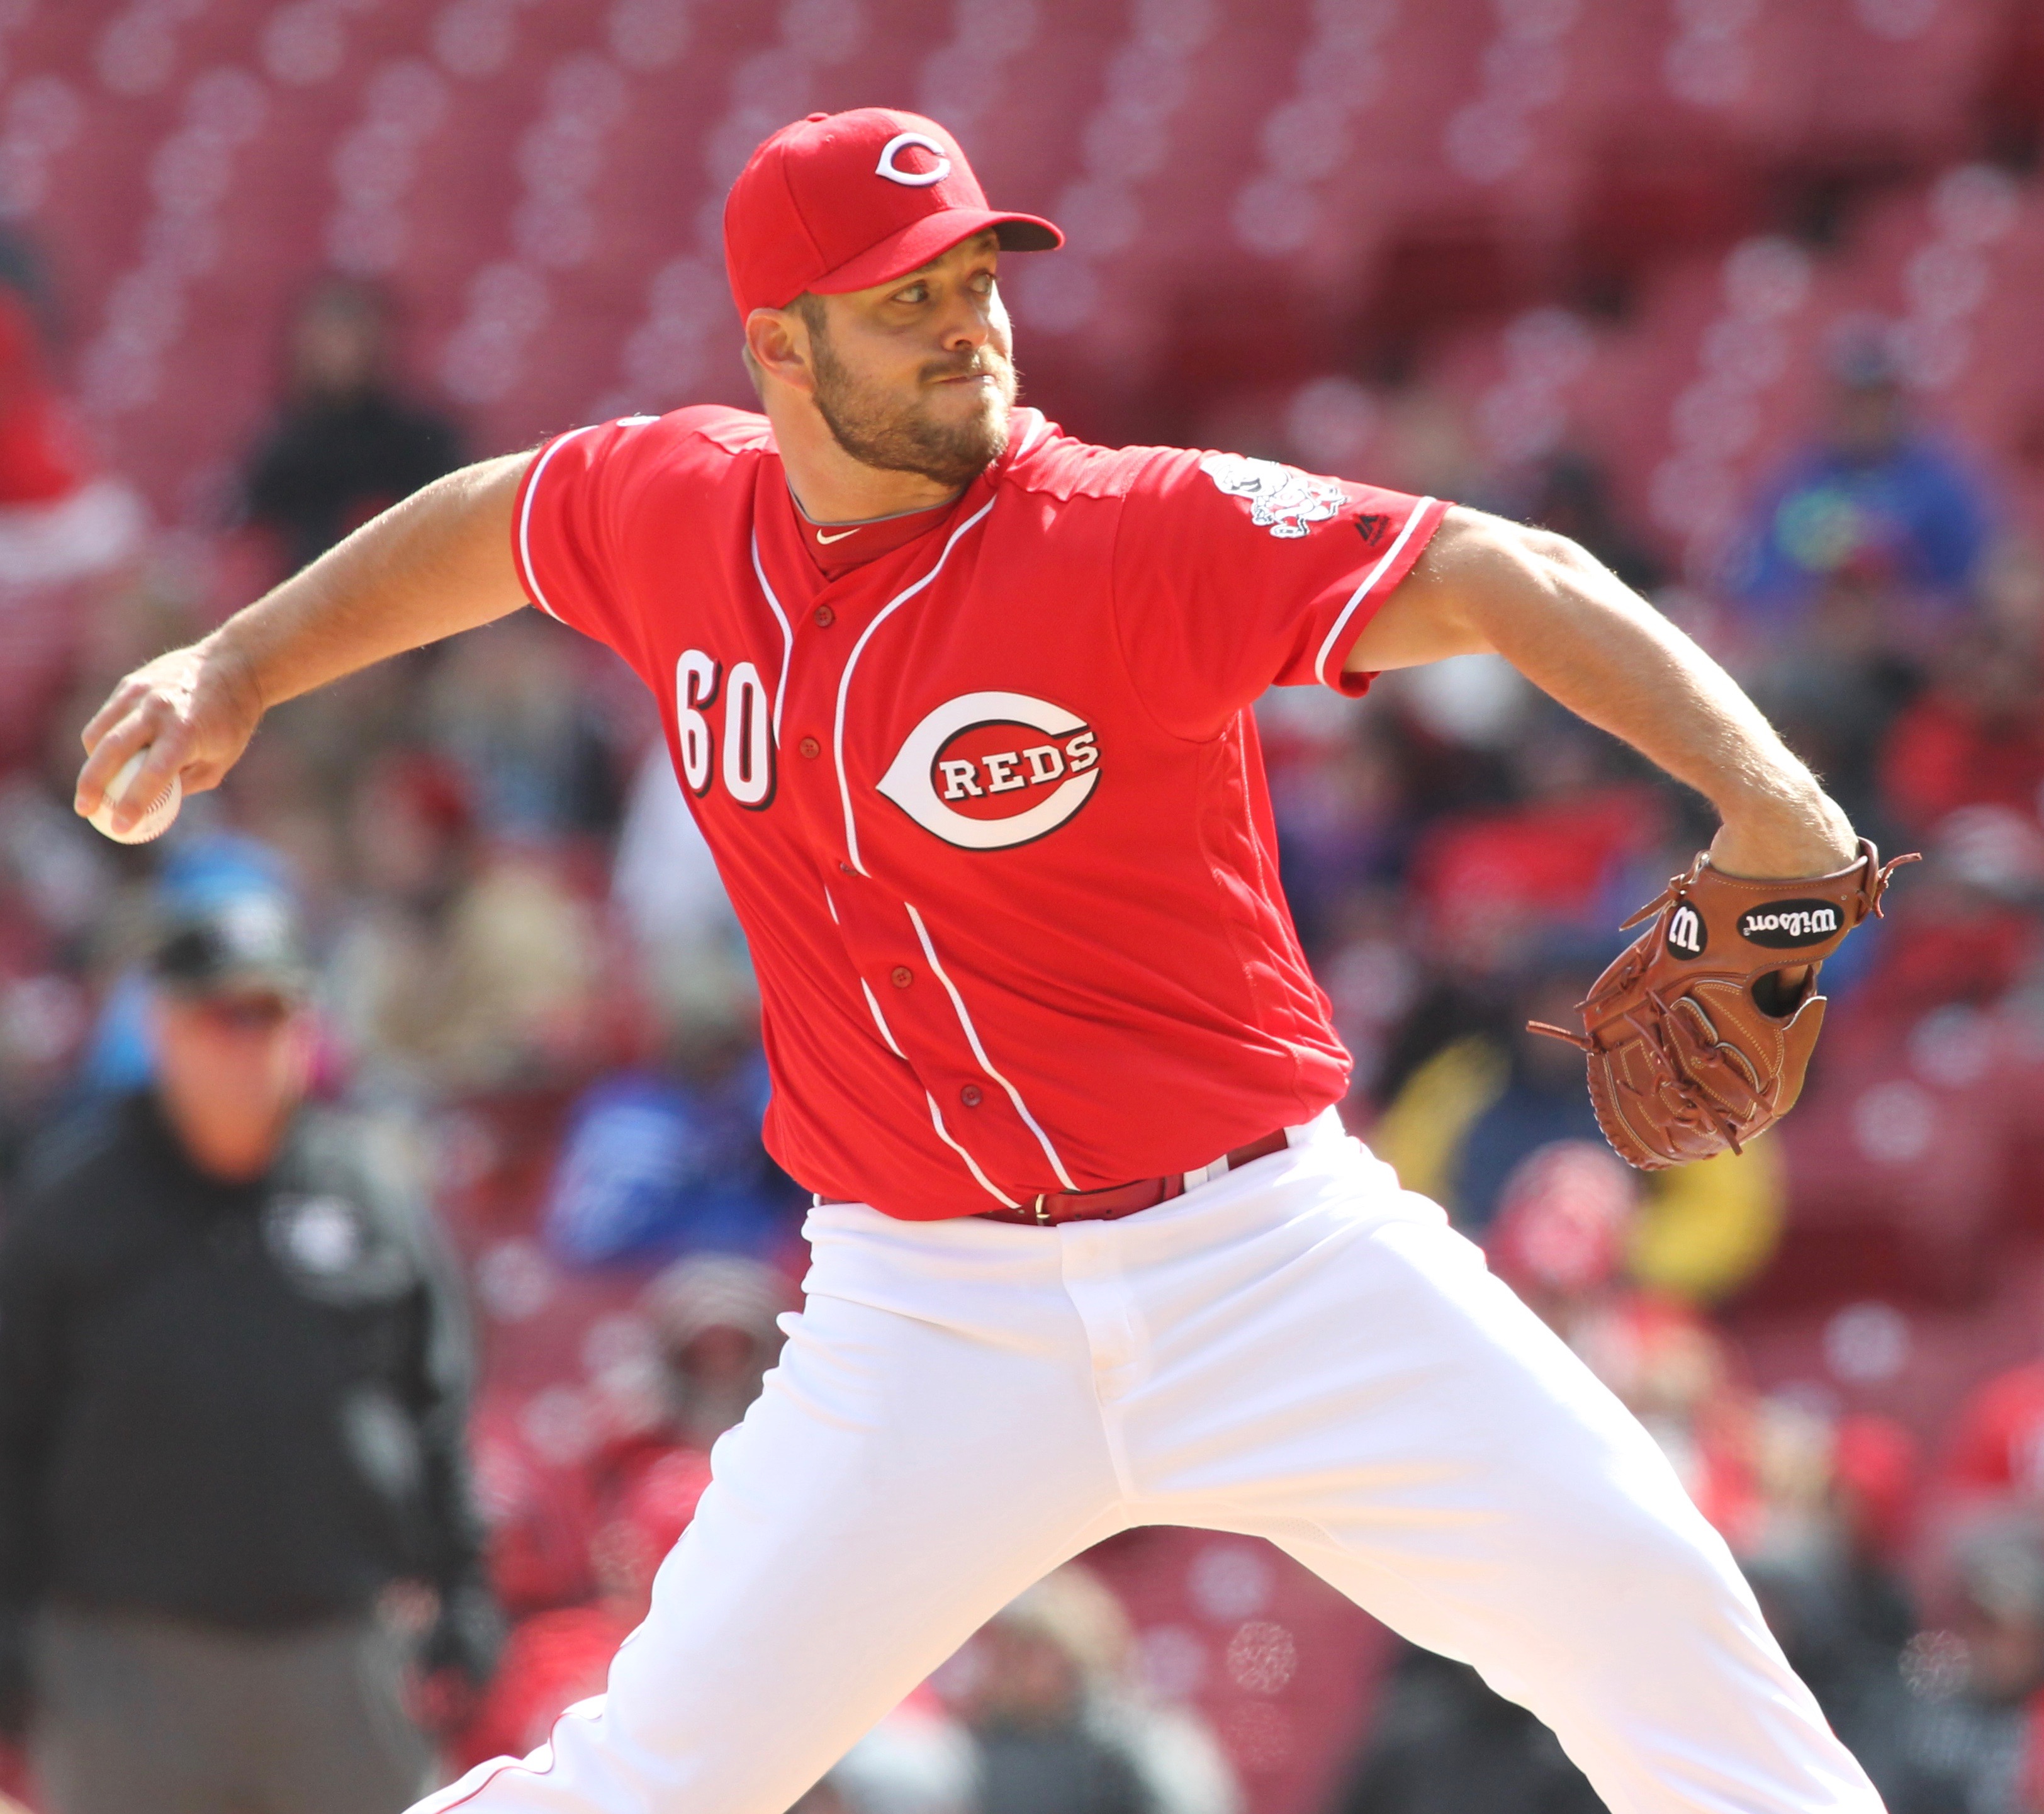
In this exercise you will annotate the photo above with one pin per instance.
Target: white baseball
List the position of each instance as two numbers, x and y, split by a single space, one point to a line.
154 823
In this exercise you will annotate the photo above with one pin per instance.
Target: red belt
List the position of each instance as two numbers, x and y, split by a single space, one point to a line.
1050 1207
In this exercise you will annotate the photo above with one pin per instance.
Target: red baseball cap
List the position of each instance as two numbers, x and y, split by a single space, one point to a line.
842 202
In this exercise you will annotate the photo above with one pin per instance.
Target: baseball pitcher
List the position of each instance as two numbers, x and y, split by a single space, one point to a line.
963 706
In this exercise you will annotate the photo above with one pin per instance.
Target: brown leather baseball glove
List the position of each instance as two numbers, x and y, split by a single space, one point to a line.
1696 1041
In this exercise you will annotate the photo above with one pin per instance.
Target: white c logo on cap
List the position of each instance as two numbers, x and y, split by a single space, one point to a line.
913 178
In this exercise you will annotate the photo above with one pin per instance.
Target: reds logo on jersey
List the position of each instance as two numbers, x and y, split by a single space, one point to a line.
988 770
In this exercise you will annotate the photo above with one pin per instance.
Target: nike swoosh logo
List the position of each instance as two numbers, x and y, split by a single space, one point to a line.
841 534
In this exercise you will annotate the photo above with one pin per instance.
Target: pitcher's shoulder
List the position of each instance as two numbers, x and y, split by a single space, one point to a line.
733 430
1048 461
707 438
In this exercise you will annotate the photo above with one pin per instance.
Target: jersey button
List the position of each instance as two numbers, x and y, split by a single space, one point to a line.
824 615
970 1096
901 976
810 747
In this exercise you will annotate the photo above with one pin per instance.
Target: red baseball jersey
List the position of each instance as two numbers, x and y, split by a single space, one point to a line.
989 802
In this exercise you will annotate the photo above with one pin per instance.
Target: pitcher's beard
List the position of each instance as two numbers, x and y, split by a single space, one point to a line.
952 454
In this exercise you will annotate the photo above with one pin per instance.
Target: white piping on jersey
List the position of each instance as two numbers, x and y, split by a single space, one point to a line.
525 519
936 1120
979 1051
859 648
787 638
1362 591
833 906
879 1020
1029 440
972 1164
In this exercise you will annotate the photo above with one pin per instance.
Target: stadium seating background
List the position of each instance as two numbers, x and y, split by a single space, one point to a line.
1619 225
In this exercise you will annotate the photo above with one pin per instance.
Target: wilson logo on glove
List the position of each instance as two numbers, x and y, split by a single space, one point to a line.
1687 934
1788 925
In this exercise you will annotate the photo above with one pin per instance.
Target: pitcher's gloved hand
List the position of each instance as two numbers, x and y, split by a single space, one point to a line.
1699 1034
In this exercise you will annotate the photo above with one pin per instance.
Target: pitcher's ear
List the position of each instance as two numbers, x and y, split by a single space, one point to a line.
777 346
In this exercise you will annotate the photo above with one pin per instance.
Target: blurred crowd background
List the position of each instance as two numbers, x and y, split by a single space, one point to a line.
1748 297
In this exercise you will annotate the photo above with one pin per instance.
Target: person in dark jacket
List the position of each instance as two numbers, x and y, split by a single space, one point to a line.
232 1401
1967 1737
1445 1744
345 444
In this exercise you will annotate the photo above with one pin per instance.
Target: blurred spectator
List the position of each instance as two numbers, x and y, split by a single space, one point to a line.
1444 1743
1976 738
345 445
1874 1488
60 518
665 884
1510 905
1821 1547
1372 975
551 1661
413 841
232 1381
55 876
655 1166
717 1316
1466 1117
559 1655
539 1515
1967 930
1057 1723
1969 1735
1559 1237
1878 498
1543 1100
508 707
460 967
1519 884
1834 688
64 522
1996 1459
916 1761
25 271
1705 1230
1337 795
1572 496
42 459
655 1504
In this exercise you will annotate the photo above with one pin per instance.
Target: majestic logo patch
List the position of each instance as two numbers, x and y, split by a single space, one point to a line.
1687 933
986 771
1280 499
1371 527
1784 925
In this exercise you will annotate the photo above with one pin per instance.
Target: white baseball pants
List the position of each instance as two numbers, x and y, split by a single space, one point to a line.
1298 1350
